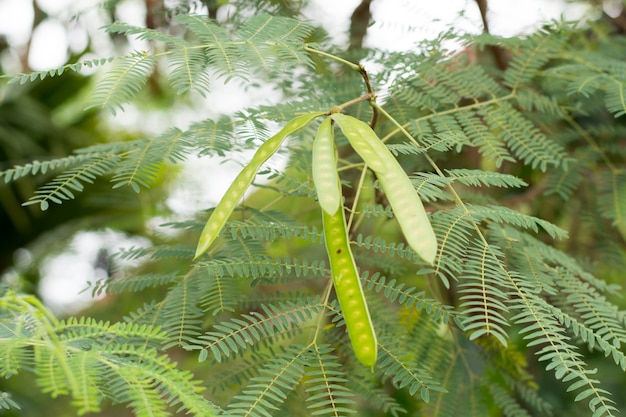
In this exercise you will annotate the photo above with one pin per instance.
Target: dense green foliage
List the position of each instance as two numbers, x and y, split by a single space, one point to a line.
521 171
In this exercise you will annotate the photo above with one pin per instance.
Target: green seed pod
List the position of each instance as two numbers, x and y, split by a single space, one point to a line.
241 183
325 178
364 141
348 288
404 200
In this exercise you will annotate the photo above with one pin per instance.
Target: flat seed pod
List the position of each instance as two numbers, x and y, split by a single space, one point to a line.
404 200
325 177
238 187
348 288
410 213
364 141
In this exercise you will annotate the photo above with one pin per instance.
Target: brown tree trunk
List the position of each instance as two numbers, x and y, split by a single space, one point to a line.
359 22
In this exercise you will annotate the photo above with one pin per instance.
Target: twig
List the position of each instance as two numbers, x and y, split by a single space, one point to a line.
352 65
370 96
339 108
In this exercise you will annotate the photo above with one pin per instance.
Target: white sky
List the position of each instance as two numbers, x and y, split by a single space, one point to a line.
399 25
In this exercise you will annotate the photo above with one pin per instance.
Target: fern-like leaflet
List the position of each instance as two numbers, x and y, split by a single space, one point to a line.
404 373
484 300
62 188
326 384
123 82
230 337
90 360
265 392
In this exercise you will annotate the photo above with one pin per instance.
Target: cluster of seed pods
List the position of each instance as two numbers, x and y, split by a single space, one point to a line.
405 203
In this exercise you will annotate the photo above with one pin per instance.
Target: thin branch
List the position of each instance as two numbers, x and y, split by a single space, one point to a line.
372 95
351 226
352 65
339 108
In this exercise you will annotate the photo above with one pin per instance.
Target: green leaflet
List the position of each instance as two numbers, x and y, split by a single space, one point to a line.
406 204
241 183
